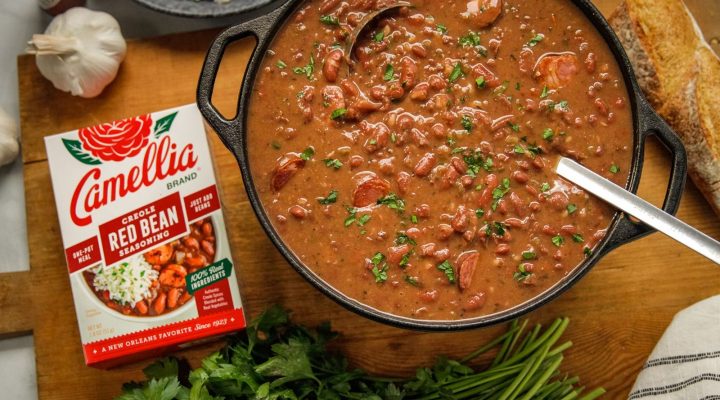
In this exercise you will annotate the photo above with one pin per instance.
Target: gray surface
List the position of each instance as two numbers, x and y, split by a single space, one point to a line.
203 8
19 19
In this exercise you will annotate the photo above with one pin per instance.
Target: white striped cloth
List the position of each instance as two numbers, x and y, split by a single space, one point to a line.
685 363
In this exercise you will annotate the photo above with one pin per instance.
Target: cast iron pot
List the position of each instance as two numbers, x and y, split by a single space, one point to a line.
622 230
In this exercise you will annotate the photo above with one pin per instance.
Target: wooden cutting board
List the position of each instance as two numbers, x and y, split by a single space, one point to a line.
618 311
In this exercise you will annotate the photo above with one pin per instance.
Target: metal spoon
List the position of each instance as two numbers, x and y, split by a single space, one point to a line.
364 23
639 208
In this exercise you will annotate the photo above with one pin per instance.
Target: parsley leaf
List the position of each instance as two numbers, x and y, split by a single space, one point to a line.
558 240
393 202
330 20
548 134
441 28
544 92
331 198
351 216
307 154
306 70
614 168
380 272
456 73
545 187
577 238
466 123
281 64
448 270
571 208
472 39
378 37
411 280
338 113
499 192
529 255
389 73
333 163
535 40
480 82
521 274
402 238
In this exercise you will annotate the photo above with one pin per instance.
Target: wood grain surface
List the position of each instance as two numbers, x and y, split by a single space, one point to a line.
618 311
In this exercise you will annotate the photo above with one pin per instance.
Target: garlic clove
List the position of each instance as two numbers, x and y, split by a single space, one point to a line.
80 52
9 146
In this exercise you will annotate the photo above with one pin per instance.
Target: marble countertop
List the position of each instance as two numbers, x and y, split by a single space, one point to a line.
18 21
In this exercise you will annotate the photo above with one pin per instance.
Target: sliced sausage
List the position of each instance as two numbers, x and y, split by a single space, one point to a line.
369 191
287 166
466 264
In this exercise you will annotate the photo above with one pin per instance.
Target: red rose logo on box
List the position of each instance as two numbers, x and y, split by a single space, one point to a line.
117 140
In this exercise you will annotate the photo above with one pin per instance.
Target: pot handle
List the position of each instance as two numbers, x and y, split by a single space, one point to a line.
260 28
652 124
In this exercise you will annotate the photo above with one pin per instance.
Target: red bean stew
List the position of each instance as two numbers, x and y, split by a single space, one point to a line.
172 261
421 180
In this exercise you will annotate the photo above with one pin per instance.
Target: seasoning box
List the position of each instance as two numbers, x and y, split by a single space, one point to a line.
144 235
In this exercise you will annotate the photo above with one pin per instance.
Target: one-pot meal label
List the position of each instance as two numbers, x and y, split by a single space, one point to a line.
144 234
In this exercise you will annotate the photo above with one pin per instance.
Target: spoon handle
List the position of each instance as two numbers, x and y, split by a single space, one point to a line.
639 208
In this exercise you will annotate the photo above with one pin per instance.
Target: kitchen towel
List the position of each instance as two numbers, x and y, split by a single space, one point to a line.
685 363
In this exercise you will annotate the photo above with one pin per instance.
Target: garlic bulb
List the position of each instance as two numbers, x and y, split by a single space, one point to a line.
8 139
80 51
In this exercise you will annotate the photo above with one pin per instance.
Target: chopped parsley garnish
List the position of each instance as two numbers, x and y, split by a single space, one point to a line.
472 39
519 149
338 113
577 238
393 202
558 240
480 82
477 161
275 145
331 198
456 73
466 123
330 20
405 260
307 154
479 212
499 192
389 73
535 40
306 70
521 274
544 187
571 208
529 255
514 127
517 86
562 106
441 28
544 92
448 270
411 280
414 219
351 216
363 220
499 229
614 168
587 251
380 272
333 163
281 64
534 149
379 36
548 134
402 238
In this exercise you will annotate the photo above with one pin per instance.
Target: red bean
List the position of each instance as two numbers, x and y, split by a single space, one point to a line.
332 65
403 182
208 248
356 161
420 92
520 177
396 253
475 302
425 165
590 62
297 211
444 231
429 296
427 249
441 255
423 210
461 220
328 5
408 71
413 233
502 249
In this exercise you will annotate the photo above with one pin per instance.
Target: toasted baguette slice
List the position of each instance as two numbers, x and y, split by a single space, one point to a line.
680 75
660 37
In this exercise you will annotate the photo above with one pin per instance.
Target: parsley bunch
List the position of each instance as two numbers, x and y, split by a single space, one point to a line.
276 360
